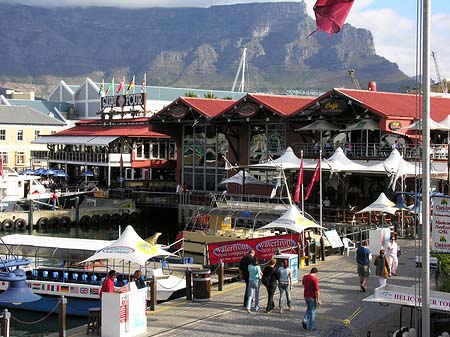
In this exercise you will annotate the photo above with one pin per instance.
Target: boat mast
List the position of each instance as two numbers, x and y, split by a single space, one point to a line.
242 65
426 168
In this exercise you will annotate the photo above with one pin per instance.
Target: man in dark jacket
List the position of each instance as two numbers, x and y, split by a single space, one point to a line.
243 269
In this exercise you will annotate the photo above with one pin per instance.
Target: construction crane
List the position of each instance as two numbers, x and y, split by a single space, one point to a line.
352 74
442 82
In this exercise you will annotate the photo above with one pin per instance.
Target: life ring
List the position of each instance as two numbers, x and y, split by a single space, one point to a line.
85 221
8 225
65 221
42 222
106 219
20 224
95 220
54 222
124 218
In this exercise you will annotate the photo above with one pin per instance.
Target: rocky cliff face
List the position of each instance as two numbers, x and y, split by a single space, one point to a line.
193 47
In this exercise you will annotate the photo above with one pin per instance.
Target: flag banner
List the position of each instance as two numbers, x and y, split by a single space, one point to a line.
315 178
331 15
121 85
299 183
144 83
130 86
111 87
101 90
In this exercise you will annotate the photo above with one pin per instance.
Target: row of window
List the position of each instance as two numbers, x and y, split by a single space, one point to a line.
20 158
19 134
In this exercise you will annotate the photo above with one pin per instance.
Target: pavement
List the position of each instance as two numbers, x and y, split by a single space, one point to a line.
343 313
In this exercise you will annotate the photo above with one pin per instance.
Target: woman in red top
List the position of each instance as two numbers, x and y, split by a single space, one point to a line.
312 299
108 284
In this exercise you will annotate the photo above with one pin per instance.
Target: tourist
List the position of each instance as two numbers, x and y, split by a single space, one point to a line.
246 261
269 280
285 284
392 254
138 280
326 202
255 274
311 294
108 284
382 270
54 200
363 257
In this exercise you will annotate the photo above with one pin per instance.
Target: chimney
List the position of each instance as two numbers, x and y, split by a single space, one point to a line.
372 86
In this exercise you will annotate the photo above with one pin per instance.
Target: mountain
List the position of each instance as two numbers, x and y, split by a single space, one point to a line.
188 47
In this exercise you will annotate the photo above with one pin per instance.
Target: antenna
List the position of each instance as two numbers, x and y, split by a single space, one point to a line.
242 65
442 82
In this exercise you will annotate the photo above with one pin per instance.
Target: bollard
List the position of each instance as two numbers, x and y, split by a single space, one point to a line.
30 218
153 293
6 319
307 250
313 250
221 276
322 249
188 284
62 316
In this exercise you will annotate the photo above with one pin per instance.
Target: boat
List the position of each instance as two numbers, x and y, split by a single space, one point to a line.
55 270
17 190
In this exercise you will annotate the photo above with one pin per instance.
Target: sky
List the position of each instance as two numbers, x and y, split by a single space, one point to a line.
392 23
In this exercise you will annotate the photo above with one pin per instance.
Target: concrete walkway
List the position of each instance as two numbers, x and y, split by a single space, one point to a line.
341 298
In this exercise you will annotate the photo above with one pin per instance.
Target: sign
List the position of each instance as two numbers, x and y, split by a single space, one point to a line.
247 110
333 238
395 125
332 106
178 112
265 248
122 101
440 225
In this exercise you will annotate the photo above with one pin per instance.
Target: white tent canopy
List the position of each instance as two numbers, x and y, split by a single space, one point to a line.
364 124
339 162
288 161
293 220
382 204
238 178
129 247
433 126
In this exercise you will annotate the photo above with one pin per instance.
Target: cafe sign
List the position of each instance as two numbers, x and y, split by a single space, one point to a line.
395 125
332 106
178 112
247 110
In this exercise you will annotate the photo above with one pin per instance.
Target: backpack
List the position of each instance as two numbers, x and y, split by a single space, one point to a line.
267 275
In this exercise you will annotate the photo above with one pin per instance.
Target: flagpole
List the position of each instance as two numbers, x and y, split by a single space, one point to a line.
302 189
320 188
426 12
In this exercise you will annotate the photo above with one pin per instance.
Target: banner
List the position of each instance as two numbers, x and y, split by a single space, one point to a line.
265 248
440 225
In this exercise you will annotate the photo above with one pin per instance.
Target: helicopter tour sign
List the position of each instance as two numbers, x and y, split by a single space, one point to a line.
440 225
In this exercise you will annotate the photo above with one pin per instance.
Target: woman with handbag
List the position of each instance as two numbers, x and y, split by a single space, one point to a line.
383 271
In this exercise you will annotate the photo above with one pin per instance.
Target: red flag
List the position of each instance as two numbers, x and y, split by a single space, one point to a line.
1 168
121 84
299 183
315 178
331 14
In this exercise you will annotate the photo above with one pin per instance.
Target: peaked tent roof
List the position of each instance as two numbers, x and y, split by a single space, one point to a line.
382 204
417 125
129 247
293 220
319 125
288 161
364 124
339 162
238 178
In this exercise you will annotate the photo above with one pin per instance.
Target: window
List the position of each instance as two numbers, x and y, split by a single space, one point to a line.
37 133
52 132
4 157
3 134
19 135
265 141
20 158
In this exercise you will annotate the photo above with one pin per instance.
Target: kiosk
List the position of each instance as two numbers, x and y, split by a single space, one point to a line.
293 264
124 314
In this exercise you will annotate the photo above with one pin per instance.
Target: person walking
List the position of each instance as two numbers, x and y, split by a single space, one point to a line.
392 254
311 294
285 284
363 257
270 281
383 271
255 275
243 270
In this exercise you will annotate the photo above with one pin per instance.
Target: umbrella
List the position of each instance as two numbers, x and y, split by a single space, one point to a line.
40 171
382 204
367 125
129 247
49 172
238 178
87 173
293 220
28 171
318 125
60 174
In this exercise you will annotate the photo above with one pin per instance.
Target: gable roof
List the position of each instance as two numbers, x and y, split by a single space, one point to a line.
282 105
12 114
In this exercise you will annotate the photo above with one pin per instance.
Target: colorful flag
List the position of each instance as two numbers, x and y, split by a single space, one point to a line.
315 178
121 85
130 86
299 183
102 88
111 87
331 15
144 83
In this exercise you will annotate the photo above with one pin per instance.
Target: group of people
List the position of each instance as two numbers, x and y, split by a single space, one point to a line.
386 264
109 284
273 277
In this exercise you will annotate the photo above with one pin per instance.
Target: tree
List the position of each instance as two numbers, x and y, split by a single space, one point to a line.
190 94
210 95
